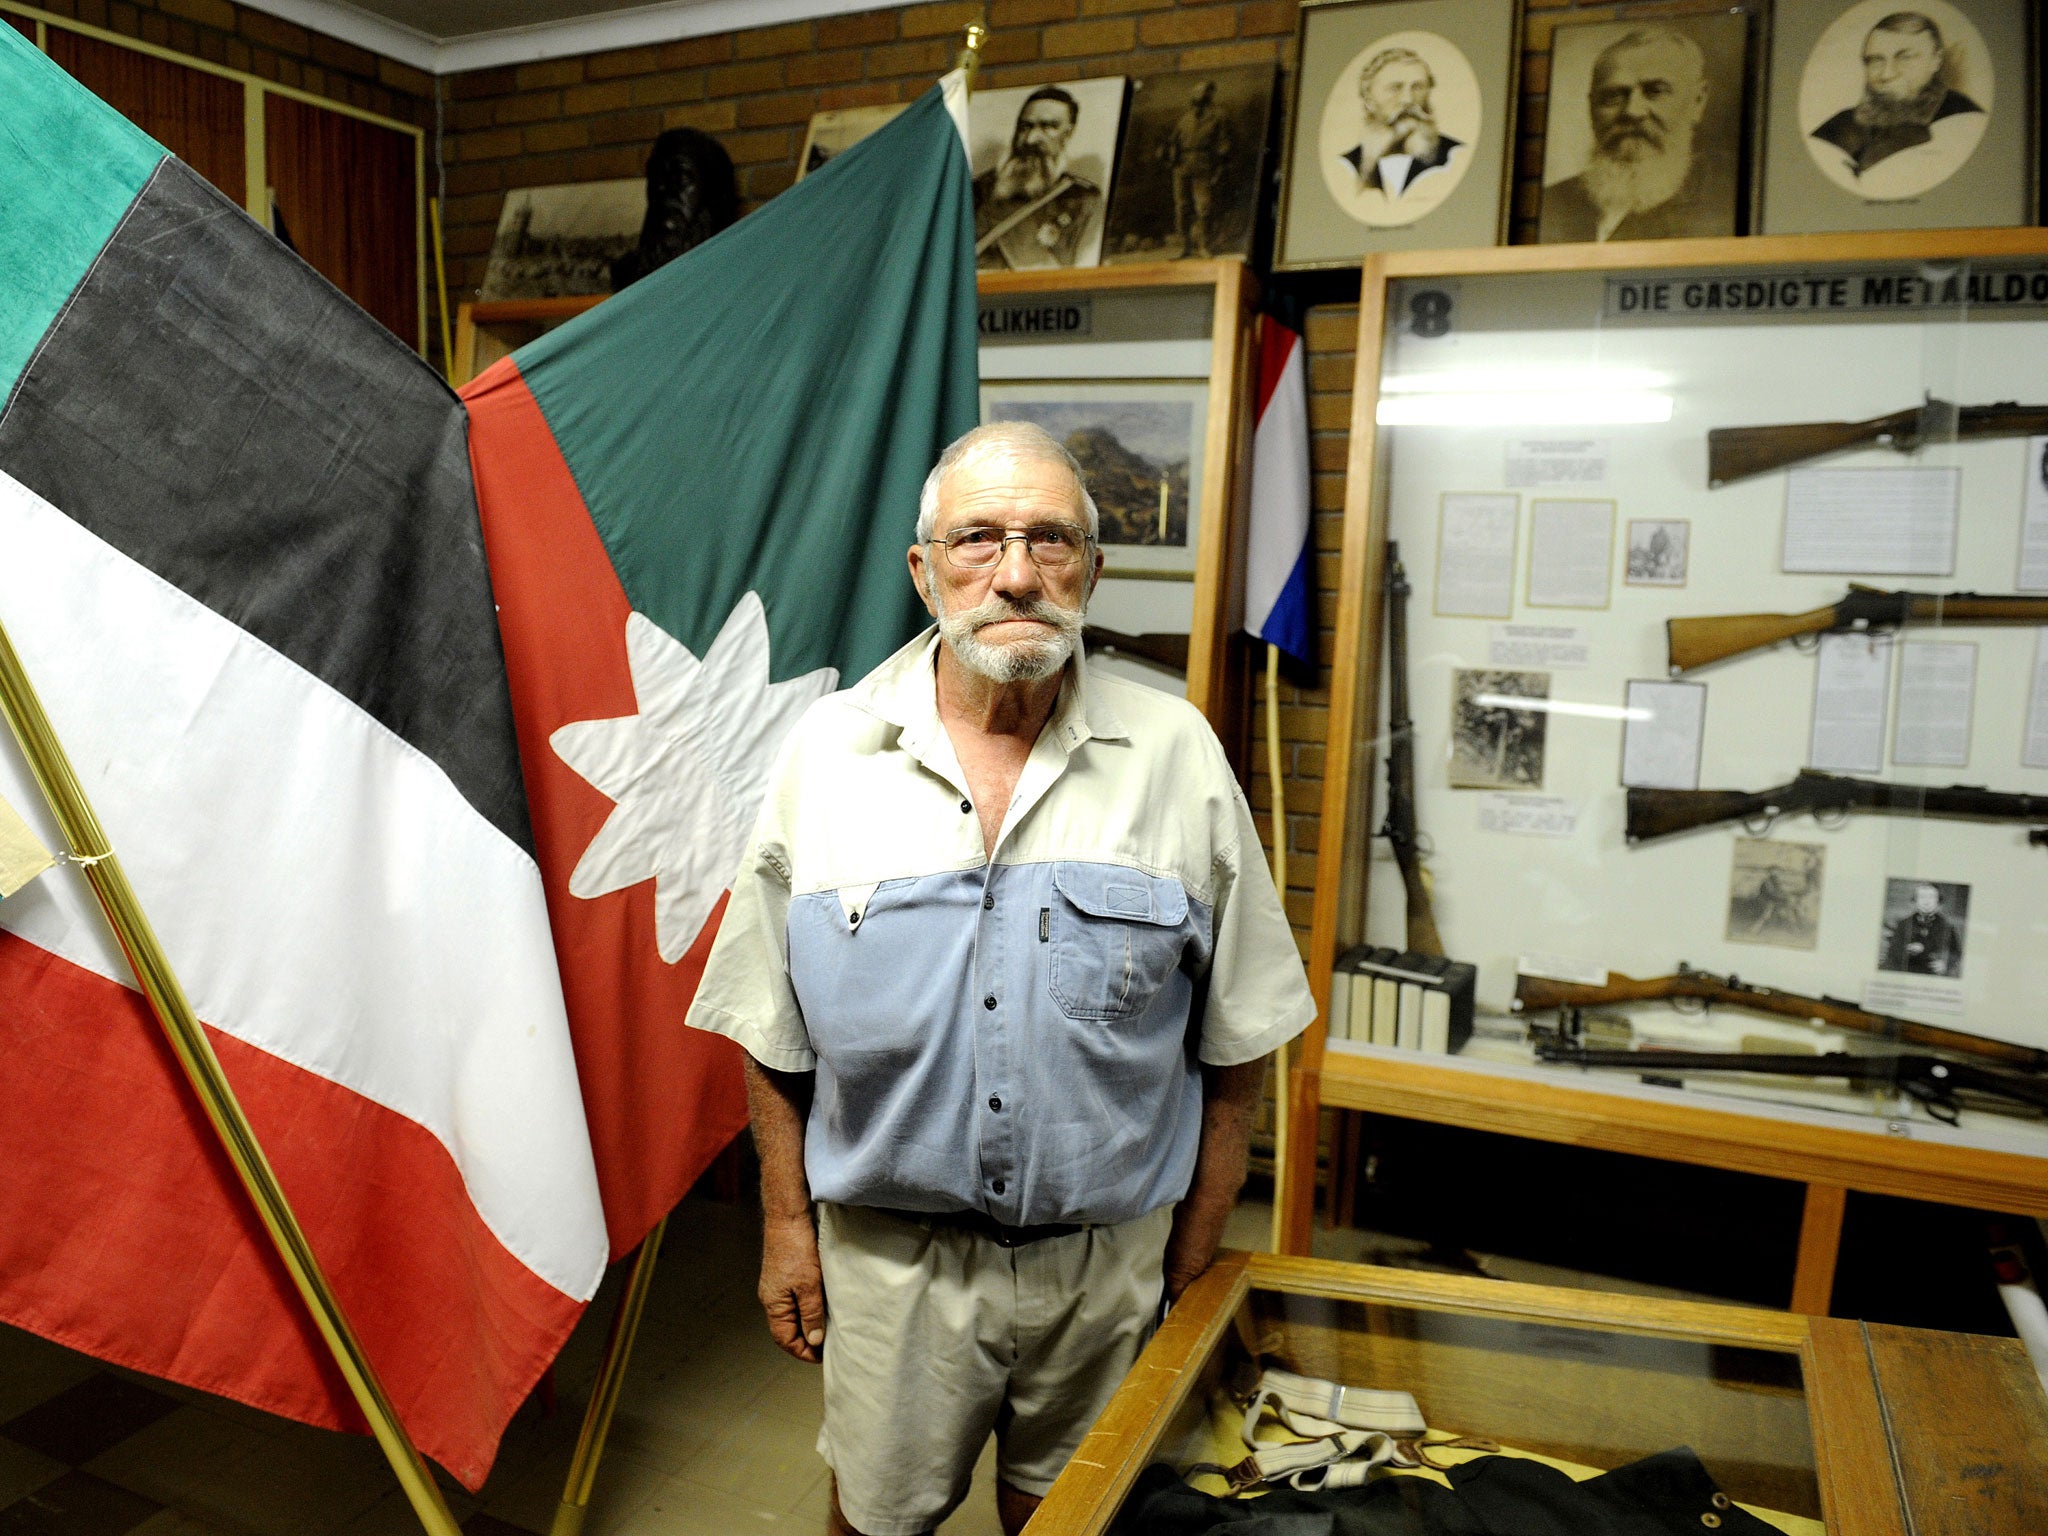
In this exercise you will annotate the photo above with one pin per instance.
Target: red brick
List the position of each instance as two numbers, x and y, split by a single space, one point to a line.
123 18
856 96
208 13
1268 18
547 138
540 171
472 85
473 241
1328 374
758 183
461 212
346 57
857 31
496 144
777 111
534 107
1333 328
238 55
622 61
463 116
706 116
1122 7
662 90
688 52
626 127
213 47
272 33
549 73
608 96
999 76
616 164
827 68
746 79
1078 39
1176 29
1019 47
403 77
755 148
1230 55
464 179
1113 64
930 57
1535 74
772 42
153 28
1029 13
947 18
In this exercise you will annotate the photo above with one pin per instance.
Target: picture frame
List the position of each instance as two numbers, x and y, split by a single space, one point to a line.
1654 561
1851 145
560 241
837 130
1192 166
1042 187
1360 172
1140 443
1652 127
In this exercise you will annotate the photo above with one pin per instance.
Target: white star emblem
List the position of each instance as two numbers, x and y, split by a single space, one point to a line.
687 773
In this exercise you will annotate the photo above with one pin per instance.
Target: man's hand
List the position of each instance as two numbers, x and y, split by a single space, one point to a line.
793 1287
1230 1100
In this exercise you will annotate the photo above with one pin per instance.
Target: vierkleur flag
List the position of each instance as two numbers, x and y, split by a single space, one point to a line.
239 556
1278 599
697 498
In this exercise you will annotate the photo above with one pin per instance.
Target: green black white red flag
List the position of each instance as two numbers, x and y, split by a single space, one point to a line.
240 557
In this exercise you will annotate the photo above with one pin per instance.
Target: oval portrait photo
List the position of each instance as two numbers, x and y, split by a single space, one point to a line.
1399 128
1894 98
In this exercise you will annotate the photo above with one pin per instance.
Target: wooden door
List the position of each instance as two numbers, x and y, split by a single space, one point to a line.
196 115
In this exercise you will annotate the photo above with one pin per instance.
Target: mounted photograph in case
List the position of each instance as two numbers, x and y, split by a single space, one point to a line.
1398 139
1902 114
1194 148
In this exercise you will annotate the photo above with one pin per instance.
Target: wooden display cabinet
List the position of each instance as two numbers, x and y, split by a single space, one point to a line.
1662 471
1872 1430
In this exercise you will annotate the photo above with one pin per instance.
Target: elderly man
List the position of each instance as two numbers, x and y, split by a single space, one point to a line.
1006 963
1197 150
1924 941
1400 140
1642 181
1906 105
1031 210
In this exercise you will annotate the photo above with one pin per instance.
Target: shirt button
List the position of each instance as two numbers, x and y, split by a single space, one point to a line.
987 902
999 1186
853 920
989 1001
966 806
995 1102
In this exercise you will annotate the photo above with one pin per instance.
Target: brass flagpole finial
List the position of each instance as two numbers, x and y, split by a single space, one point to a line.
970 55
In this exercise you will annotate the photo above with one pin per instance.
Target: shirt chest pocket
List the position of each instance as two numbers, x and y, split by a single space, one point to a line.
1116 936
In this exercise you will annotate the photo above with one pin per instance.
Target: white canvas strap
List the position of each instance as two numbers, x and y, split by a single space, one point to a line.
1348 1432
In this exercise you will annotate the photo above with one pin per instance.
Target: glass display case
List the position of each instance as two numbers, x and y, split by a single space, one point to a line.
1683 787
1809 1425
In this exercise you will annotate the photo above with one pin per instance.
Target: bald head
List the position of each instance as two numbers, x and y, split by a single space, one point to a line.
1012 441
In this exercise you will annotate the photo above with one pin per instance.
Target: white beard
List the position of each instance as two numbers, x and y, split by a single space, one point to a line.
1629 186
1028 660
1021 177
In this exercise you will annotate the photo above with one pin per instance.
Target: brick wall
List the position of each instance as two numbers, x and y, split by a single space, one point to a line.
222 32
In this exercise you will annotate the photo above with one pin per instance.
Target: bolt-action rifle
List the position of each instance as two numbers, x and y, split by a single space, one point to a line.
1162 650
1927 1079
1399 830
1535 993
1828 796
1693 642
1736 453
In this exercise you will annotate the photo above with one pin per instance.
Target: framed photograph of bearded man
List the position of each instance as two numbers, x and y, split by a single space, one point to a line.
1903 114
1403 114
1043 158
1648 137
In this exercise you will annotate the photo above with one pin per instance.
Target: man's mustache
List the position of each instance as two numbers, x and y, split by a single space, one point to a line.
1004 610
1641 128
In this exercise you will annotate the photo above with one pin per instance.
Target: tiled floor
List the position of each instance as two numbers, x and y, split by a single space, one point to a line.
715 1433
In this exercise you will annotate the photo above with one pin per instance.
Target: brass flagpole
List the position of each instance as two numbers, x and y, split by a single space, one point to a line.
604 1396
152 967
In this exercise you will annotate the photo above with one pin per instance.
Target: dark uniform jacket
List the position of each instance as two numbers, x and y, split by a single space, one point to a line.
1050 232
1865 146
1435 160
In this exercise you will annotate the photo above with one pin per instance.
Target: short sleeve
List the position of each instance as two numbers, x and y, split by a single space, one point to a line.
1258 995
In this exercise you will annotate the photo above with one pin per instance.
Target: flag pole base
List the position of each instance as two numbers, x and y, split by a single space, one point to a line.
604 1396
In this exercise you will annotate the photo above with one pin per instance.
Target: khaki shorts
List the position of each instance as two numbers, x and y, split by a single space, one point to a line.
934 1338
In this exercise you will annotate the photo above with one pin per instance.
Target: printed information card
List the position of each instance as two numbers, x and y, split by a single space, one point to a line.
1850 686
1555 647
1475 555
1872 522
2034 754
1937 681
1660 740
2034 519
1528 815
1571 553
1537 463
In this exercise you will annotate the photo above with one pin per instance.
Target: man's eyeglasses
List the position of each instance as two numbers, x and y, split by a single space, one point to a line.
1051 546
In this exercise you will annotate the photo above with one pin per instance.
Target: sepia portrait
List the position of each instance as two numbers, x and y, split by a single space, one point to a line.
1645 130
1398 128
556 241
834 132
1043 157
1774 893
1496 740
1140 447
1188 183
1925 923
1657 552
1895 97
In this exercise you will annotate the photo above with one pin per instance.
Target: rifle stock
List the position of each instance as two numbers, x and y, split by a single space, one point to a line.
1660 812
1695 641
1736 453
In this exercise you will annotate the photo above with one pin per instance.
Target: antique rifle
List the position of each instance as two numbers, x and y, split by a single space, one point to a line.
1162 650
1736 453
1661 812
1399 830
1928 1079
1534 993
1693 642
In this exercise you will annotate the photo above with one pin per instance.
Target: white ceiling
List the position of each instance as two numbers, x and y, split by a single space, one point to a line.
446 36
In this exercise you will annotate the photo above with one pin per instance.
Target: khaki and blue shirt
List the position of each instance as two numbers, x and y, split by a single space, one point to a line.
1022 1035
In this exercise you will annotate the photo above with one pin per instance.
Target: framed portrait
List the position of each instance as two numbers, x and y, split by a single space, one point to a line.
1496 741
1402 116
836 131
553 242
1657 551
1193 156
1140 445
1902 114
1648 132
1044 157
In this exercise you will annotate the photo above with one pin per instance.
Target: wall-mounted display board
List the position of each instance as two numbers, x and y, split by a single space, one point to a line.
1660 730
346 187
1789 1424
1146 371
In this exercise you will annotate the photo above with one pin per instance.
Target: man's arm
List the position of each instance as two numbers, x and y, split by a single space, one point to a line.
792 1285
1230 1100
